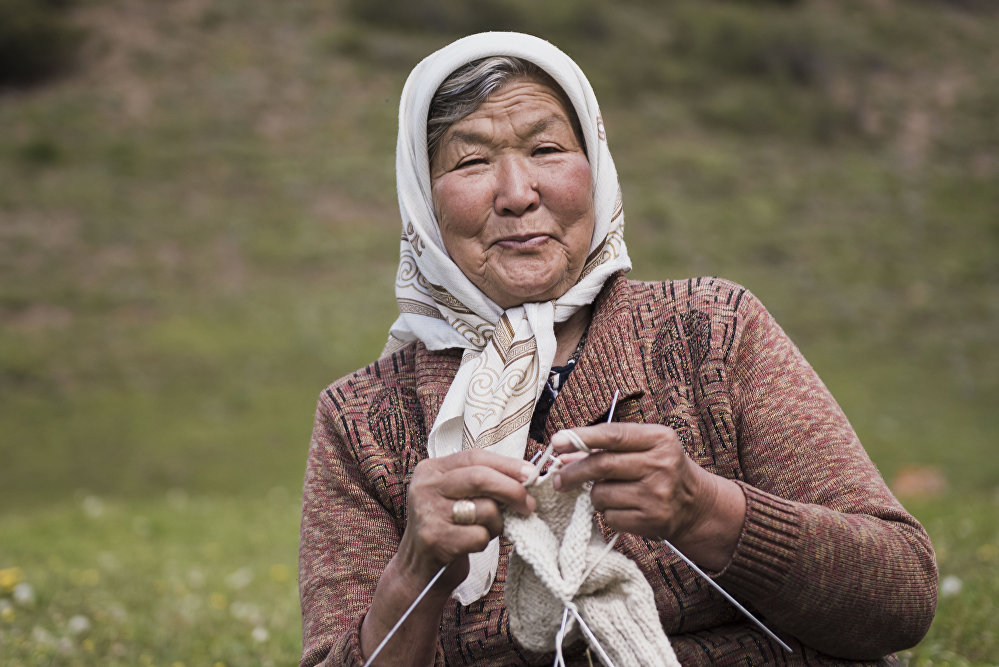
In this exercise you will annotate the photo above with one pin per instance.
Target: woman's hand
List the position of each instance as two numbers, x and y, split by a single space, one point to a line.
644 483
432 538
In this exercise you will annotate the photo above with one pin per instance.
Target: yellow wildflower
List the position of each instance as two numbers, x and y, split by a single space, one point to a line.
9 578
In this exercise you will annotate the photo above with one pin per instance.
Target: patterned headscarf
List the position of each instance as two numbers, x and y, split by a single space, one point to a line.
508 353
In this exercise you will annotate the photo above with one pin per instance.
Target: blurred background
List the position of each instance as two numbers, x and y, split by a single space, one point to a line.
198 232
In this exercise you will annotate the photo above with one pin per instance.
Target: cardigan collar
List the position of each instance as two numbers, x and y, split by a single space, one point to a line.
612 359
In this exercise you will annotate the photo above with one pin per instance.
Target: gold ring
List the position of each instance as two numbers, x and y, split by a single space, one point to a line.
463 512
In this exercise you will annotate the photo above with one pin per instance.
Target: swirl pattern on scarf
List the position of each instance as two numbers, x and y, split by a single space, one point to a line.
508 354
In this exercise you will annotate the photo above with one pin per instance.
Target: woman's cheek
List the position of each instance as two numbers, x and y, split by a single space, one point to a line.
459 206
573 187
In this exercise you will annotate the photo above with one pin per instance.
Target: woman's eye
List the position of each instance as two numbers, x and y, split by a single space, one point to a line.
470 162
547 150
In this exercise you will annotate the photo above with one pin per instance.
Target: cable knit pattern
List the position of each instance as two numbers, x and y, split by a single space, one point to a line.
827 557
560 559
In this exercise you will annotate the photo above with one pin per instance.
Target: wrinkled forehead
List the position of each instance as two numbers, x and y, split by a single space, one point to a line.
427 77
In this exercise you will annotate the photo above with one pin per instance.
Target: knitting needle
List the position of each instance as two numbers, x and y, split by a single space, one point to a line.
590 636
610 413
395 627
728 597
541 458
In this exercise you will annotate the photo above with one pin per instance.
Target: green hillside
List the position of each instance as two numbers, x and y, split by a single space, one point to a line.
198 232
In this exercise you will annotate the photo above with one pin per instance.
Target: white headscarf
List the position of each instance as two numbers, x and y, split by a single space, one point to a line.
508 354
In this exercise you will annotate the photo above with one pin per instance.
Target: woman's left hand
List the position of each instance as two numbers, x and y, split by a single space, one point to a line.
644 483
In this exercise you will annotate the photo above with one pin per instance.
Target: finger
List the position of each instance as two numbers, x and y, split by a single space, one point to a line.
628 467
487 524
571 457
616 436
618 496
486 482
432 530
464 540
488 515
517 469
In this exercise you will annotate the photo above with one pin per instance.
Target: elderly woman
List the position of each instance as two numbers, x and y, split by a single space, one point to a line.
515 323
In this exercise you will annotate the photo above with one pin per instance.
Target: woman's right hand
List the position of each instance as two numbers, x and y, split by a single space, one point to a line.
432 538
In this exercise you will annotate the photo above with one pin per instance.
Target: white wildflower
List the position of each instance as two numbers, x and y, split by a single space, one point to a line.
78 625
950 586
24 594
93 507
260 634
241 578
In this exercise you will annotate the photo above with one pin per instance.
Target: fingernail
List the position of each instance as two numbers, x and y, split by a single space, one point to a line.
526 469
560 438
557 482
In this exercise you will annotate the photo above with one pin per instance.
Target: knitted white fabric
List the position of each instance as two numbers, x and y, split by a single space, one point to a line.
560 560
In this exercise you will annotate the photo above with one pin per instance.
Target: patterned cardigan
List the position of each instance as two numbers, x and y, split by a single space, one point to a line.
827 556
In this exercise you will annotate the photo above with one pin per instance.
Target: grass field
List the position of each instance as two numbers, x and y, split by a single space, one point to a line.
198 232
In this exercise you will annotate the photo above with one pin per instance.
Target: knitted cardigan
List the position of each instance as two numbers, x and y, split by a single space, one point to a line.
827 557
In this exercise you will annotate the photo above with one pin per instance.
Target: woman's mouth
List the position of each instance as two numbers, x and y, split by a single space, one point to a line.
523 242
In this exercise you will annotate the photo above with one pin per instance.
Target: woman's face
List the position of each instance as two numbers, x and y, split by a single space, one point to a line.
513 196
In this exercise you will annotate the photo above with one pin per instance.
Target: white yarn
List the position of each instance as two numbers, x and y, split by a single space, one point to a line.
560 562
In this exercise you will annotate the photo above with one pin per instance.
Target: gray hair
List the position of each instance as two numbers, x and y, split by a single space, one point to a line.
467 88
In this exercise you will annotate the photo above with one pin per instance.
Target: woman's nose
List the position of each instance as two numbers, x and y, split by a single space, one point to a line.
516 188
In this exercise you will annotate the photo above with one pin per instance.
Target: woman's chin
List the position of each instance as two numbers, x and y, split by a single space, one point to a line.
513 294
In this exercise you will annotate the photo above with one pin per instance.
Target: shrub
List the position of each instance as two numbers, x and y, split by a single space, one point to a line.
37 41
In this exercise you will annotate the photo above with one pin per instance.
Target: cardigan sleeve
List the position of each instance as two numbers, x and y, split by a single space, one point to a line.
826 553
337 573
347 535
